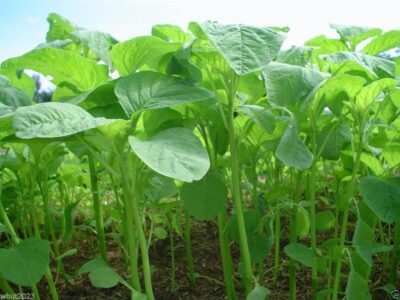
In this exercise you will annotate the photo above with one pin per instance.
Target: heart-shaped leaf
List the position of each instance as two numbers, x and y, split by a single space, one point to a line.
245 48
129 56
292 151
175 152
205 198
25 263
63 66
151 90
287 84
300 253
51 120
382 197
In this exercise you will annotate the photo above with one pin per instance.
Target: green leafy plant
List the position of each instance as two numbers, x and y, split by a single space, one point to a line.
292 153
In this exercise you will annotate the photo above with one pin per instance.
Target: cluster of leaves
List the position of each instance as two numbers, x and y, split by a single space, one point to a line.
180 124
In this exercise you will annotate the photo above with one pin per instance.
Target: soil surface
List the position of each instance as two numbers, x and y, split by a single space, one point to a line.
206 256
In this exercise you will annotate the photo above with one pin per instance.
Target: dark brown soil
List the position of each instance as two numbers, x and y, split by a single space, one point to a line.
206 256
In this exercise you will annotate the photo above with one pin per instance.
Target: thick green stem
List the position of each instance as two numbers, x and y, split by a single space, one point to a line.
97 208
122 214
49 224
314 271
129 229
226 257
236 194
345 199
48 275
293 237
188 250
395 255
52 286
172 251
237 202
277 246
311 183
6 287
257 207
143 251
6 220
132 211
35 292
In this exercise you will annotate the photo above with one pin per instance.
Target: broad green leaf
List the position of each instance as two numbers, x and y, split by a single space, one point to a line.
171 33
21 81
64 66
145 51
395 96
300 253
295 55
383 42
302 222
4 81
259 115
245 48
102 95
91 265
110 135
160 187
179 64
332 140
205 198
6 120
325 45
255 136
60 28
6 111
366 252
69 219
292 151
388 110
98 42
25 263
392 155
175 152
253 88
363 234
370 92
219 136
160 119
357 287
341 88
324 221
258 293
60 44
101 275
112 111
51 120
363 241
104 277
160 233
252 221
376 67
13 97
259 246
354 34
373 163
150 90
382 197
287 84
